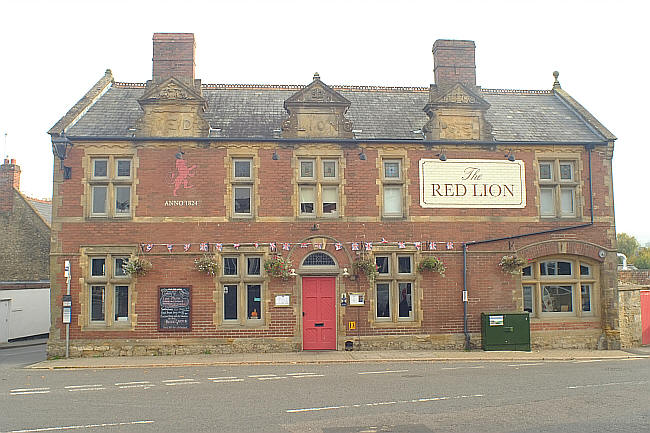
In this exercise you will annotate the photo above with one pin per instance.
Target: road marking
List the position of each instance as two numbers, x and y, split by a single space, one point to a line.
380 403
227 380
28 392
143 386
382 372
308 375
271 378
643 382
174 382
70 427
82 386
262 375
458 368
222 377
86 389
524 365
28 389
144 382
588 360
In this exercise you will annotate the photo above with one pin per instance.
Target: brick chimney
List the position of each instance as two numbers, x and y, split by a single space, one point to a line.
173 56
453 62
9 180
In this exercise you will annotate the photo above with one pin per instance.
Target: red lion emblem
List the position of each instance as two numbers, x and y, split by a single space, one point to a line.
183 173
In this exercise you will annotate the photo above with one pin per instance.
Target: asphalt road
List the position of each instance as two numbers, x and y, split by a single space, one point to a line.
572 396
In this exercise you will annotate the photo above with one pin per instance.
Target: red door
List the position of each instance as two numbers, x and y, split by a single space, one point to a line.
318 313
645 317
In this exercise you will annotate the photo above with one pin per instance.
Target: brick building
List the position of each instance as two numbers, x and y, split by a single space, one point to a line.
330 178
24 258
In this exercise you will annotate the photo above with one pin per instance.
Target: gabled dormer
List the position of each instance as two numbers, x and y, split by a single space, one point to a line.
173 103
457 113
317 111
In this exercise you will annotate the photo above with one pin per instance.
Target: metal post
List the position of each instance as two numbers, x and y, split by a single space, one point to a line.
67 325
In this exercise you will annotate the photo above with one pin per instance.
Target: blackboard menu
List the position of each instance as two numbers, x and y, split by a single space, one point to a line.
175 308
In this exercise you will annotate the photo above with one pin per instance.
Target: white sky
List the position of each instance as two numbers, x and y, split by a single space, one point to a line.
52 52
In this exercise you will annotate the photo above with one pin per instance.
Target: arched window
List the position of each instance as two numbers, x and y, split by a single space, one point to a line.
560 286
318 259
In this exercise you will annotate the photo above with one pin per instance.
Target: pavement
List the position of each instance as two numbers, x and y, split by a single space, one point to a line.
328 357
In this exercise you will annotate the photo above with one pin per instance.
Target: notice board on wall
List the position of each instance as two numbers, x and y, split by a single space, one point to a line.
175 308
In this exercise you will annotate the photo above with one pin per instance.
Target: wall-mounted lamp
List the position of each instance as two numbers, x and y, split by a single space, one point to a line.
275 156
345 272
362 155
60 145
442 156
510 156
292 272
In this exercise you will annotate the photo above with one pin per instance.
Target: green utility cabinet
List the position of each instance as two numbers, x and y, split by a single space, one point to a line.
505 331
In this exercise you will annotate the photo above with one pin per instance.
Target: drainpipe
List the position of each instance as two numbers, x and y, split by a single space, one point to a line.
589 147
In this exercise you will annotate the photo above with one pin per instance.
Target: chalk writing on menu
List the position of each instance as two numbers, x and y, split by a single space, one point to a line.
174 308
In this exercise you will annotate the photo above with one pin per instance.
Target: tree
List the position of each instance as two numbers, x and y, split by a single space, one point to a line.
627 245
642 259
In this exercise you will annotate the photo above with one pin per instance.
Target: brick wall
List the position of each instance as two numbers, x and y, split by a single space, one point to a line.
439 298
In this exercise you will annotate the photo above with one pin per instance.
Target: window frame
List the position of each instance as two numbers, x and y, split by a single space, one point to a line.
319 184
242 280
237 182
392 183
111 182
394 279
575 280
558 187
110 281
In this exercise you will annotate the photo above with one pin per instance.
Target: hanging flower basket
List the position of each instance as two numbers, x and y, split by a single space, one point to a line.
278 267
366 266
207 264
136 267
512 264
431 264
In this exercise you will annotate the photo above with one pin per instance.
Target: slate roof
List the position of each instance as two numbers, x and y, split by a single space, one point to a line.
255 111
42 207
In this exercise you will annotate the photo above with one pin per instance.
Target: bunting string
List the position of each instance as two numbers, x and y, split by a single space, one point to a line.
286 246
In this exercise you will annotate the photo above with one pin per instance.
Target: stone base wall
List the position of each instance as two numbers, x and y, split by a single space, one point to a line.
93 348
585 339
411 342
629 301
591 339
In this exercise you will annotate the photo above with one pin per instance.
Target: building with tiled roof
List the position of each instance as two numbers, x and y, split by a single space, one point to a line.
24 258
508 191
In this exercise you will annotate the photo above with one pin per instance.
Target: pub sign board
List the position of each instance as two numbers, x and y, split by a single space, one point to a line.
175 309
472 183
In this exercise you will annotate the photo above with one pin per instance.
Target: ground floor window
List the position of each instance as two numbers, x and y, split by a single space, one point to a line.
242 288
394 287
559 286
108 295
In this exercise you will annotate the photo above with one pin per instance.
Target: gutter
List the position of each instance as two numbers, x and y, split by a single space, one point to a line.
541 232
